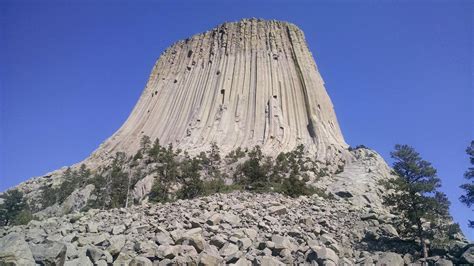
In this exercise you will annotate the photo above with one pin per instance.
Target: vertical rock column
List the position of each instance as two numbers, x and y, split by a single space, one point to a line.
246 83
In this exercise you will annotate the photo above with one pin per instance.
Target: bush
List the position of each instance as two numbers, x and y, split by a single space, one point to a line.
252 174
293 187
191 179
14 210
235 155
357 147
159 192
218 186
23 217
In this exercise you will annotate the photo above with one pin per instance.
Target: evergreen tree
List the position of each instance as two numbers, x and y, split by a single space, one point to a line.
167 169
468 197
82 175
155 150
14 209
191 179
145 143
49 196
416 198
253 172
118 181
68 185
211 161
100 192
159 191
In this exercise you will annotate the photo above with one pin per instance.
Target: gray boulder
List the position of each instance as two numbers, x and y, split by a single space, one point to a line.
321 255
140 261
77 200
468 255
81 261
52 253
277 210
270 261
96 254
390 258
116 244
15 251
208 259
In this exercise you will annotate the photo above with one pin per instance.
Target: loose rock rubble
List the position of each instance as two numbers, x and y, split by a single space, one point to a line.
238 228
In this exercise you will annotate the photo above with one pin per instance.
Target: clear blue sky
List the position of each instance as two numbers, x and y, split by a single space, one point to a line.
397 72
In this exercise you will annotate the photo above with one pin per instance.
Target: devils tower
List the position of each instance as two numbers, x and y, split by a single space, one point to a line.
241 84
232 156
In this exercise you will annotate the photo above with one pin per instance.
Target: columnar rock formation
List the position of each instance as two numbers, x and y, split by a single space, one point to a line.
246 83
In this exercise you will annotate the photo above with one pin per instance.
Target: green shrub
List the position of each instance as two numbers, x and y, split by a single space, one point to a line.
235 155
159 192
218 186
14 210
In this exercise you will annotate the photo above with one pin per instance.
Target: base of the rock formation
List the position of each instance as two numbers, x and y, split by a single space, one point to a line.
239 228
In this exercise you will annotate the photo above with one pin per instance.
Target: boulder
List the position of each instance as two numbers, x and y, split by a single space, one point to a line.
321 255
468 254
77 200
244 243
118 229
368 216
15 251
218 241
390 258
282 242
277 210
228 249
389 230
194 238
146 248
166 251
116 244
92 227
81 261
214 219
242 262
163 238
52 253
143 187
140 261
96 254
270 261
443 262
232 219
207 259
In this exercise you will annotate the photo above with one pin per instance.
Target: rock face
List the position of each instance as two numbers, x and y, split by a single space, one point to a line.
241 84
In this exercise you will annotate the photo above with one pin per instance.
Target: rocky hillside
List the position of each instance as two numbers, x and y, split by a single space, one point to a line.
238 228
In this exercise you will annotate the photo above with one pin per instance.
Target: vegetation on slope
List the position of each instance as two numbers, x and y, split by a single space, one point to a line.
468 196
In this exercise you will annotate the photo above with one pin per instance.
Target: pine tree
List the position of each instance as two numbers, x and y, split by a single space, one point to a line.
83 175
468 197
100 192
118 181
145 143
14 209
159 191
191 179
416 198
67 186
253 172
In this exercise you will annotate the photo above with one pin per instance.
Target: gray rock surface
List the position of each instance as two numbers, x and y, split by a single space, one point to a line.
15 251
312 231
221 84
